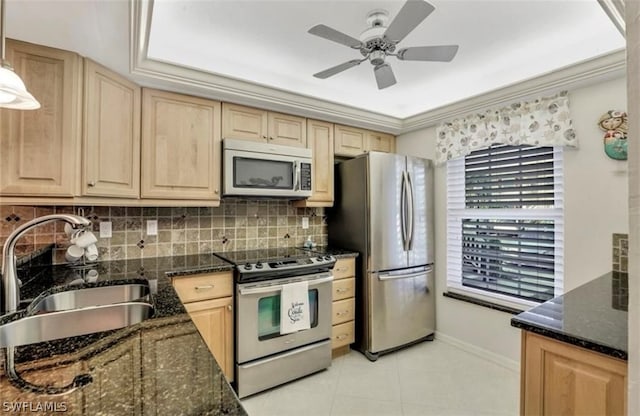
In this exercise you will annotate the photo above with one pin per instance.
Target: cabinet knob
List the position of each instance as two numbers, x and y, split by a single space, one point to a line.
229 307
264 137
215 191
92 184
270 138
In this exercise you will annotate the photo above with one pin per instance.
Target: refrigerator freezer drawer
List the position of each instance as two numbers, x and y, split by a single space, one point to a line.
401 308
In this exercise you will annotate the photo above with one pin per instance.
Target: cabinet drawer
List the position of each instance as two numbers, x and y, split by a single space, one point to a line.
343 334
344 268
343 311
344 288
203 286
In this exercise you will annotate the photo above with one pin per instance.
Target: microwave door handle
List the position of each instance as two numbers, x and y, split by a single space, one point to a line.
296 176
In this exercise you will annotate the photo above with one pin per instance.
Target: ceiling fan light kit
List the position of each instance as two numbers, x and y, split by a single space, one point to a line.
379 41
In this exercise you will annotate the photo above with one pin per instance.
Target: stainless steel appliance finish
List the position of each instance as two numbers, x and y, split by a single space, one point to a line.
249 346
384 210
264 357
262 169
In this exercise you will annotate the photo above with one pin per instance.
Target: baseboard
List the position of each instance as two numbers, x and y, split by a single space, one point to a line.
480 352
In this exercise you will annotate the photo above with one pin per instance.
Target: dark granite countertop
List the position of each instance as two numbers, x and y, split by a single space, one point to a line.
592 316
162 361
336 252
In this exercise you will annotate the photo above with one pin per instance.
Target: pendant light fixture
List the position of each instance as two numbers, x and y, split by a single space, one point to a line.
13 93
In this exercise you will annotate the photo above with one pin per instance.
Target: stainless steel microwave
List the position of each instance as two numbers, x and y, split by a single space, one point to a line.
262 169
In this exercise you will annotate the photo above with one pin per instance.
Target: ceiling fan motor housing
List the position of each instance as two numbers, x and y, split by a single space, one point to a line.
377 57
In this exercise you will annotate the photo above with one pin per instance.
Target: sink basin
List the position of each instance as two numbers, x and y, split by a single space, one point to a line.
73 322
86 297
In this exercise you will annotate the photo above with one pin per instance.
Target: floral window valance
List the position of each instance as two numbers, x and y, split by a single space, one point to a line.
543 122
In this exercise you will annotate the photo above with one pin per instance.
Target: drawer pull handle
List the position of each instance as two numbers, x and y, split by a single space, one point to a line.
342 290
204 287
342 269
342 336
342 313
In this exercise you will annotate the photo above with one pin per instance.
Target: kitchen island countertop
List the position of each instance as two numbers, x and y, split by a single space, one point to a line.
591 316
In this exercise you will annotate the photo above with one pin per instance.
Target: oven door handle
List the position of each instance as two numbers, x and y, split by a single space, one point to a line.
277 288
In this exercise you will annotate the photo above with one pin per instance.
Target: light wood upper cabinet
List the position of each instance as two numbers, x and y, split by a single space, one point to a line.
246 123
561 379
380 142
320 141
349 141
287 130
180 146
40 149
111 134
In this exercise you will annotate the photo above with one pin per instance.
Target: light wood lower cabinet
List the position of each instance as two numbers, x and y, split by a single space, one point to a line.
208 298
343 309
561 379
180 146
40 149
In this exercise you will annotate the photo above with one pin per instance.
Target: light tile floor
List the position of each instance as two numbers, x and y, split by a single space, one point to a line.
431 378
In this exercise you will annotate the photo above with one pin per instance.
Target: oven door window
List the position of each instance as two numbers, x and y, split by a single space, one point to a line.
269 315
262 173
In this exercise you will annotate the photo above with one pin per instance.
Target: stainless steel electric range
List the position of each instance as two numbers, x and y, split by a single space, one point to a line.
264 357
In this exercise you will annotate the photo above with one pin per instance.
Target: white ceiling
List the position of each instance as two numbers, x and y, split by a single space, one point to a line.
266 42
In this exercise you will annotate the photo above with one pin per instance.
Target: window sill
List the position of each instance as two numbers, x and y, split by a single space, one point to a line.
483 303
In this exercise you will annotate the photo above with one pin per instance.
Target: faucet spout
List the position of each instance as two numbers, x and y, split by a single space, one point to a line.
10 289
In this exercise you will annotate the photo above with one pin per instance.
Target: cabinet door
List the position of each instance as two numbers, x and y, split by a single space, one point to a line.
381 142
244 123
180 146
214 320
287 130
320 141
41 148
349 141
111 370
561 379
111 134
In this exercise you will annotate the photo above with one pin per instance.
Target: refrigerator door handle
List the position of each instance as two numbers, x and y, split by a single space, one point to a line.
410 209
386 276
403 211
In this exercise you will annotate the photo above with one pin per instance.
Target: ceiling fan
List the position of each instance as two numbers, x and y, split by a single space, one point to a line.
379 41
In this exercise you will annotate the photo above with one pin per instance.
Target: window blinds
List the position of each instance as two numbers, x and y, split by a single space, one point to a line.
505 223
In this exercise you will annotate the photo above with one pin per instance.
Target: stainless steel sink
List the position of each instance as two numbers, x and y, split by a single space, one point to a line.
93 296
73 322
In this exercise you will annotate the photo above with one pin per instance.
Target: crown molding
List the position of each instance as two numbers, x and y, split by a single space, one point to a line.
599 69
157 74
615 10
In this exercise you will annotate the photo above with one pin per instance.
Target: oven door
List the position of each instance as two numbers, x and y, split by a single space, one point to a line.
260 174
258 316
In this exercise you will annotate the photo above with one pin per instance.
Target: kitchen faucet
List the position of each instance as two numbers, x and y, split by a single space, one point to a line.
10 284
11 300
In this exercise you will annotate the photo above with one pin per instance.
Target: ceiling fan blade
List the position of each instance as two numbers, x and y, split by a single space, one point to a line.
384 76
442 53
411 15
336 69
335 36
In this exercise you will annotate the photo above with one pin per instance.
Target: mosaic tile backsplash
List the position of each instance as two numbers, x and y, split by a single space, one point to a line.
237 224
620 252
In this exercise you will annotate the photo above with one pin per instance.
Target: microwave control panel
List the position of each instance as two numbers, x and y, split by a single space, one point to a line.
305 176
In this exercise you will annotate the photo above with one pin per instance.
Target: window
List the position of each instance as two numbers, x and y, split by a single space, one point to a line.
505 224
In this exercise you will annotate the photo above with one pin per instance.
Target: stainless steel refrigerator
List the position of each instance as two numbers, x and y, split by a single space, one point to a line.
384 210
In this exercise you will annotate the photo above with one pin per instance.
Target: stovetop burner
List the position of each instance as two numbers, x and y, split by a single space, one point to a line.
254 265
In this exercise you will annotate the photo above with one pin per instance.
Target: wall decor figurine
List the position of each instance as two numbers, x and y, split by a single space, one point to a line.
614 124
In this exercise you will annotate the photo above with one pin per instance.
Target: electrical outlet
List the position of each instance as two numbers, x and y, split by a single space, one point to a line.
152 227
305 223
105 229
